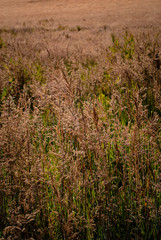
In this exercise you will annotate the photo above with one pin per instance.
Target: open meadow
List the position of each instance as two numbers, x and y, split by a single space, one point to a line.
80 120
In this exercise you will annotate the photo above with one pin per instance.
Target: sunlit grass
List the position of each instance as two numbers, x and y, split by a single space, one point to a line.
80 144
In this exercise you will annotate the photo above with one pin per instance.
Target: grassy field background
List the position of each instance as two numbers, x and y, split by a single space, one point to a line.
80 125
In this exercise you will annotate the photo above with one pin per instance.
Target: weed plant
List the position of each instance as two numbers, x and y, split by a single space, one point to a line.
80 143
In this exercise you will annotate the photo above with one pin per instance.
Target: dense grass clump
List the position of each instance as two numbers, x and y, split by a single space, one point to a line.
80 143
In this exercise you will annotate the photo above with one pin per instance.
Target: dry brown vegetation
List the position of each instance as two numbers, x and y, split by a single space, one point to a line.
80 139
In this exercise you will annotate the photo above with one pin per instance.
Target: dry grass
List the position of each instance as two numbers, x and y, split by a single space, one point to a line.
80 141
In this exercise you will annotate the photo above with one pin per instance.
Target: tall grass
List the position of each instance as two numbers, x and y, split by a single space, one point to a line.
80 144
